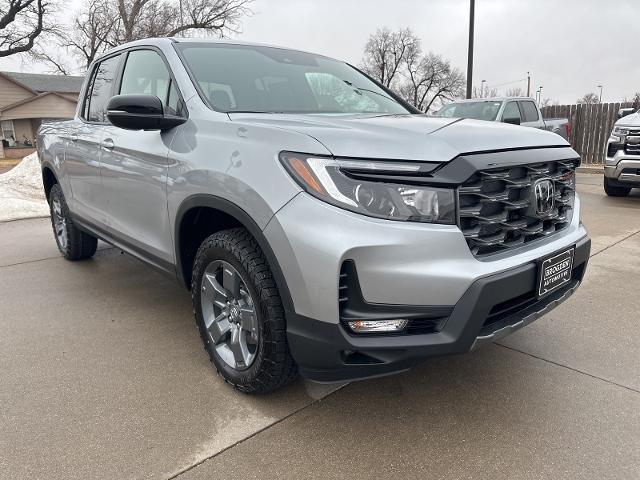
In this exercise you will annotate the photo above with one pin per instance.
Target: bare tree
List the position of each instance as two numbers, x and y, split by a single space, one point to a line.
386 51
430 80
93 31
102 24
89 34
589 99
21 23
55 62
515 92
548 102
396 60
485 92
168 18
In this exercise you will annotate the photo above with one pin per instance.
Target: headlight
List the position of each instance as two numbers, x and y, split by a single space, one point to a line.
341 183
620 131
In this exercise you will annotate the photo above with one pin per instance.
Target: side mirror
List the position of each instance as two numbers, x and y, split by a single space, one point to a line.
140 112
623 112
511 120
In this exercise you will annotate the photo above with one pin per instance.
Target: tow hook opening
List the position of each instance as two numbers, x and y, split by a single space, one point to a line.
351 357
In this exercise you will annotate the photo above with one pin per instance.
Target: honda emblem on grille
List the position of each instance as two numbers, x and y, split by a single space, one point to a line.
544 193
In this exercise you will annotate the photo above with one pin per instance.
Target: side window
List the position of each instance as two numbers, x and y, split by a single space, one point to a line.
87 95
100 89
529 111
219 95
145 72
448 112
511 110
7 132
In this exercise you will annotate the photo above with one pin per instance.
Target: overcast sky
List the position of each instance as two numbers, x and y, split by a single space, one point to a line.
569 46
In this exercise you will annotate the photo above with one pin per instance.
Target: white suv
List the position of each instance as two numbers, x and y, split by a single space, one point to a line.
622 157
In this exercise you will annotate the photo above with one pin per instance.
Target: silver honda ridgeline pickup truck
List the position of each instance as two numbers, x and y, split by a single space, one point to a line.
322 224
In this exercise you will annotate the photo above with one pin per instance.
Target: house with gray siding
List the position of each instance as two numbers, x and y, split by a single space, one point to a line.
28 99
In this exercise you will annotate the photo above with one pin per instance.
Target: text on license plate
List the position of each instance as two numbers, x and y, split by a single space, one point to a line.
555 272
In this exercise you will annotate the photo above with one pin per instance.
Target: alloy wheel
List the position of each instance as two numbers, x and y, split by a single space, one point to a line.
59 223
229 315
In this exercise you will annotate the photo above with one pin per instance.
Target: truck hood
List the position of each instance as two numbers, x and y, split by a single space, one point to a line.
632 120
406 137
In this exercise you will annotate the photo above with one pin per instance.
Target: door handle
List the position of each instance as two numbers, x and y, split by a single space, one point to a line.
73 137
108 144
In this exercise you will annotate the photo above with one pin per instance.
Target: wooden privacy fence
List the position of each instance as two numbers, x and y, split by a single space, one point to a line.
590 126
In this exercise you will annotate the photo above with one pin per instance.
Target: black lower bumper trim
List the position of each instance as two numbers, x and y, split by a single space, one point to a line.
617 182
326 352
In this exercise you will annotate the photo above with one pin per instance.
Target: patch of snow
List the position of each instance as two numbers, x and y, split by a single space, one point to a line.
21 191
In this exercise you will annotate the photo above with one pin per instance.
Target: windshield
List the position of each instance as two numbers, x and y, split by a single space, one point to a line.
486 110
241 78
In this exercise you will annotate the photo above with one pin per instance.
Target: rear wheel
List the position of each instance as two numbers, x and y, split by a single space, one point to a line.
239 313
73 243
615 191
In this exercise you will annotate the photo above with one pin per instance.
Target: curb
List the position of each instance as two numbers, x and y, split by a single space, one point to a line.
9 162
596 169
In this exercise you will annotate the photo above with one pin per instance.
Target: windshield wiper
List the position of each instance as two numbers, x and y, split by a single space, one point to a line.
370 91
249 111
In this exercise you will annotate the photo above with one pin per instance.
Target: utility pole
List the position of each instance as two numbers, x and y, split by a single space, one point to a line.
482 88
540 98
600 87
528 84
472 8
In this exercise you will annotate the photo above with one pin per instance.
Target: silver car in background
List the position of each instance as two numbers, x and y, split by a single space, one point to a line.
322 225
622 156
514 110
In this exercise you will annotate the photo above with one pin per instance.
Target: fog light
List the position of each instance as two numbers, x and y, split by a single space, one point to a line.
377 326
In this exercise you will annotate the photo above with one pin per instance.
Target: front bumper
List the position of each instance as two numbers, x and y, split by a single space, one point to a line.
398 263
492 307
626 171
623 169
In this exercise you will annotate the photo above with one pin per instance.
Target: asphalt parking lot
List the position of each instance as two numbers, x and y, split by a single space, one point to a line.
102 375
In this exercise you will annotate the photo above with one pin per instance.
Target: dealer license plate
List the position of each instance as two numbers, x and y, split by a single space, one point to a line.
555 271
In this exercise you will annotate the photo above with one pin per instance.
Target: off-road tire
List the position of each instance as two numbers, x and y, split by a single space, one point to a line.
273 366
614 191
79 245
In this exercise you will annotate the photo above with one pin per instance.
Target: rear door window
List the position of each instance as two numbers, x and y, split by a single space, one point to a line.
529 112
100 90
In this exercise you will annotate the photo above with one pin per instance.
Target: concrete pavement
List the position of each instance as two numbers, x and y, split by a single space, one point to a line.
102 375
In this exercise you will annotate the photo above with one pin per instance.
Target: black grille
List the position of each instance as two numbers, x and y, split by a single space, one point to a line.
343 288
612 148
496 211
633 147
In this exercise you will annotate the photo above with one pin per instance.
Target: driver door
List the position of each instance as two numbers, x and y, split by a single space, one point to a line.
134 164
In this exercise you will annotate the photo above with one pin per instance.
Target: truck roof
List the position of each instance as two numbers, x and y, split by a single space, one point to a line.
492 99
164 41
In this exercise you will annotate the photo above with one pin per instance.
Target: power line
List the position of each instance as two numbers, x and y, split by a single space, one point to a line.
508 83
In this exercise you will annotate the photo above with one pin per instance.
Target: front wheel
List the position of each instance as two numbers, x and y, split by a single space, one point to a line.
614 191
239 313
